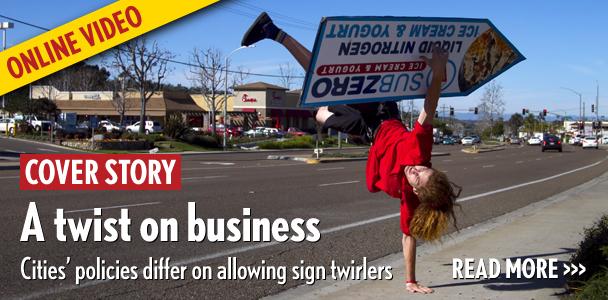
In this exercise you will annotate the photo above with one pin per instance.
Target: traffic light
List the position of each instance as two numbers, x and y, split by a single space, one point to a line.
451 111
476 110
523 111
544 112
592 107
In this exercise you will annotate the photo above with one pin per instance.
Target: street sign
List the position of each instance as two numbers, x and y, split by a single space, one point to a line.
94 122
318 150
370 59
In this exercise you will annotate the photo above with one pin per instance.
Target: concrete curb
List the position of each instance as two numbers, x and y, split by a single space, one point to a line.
45 144
471 151
258 151
9 165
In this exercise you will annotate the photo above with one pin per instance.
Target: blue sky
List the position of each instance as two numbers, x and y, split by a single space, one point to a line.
564 41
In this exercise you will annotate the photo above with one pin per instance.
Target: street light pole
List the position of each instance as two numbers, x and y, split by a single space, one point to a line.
580 108
4 26
225 114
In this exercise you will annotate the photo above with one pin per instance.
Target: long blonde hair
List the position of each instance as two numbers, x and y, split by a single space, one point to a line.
437 202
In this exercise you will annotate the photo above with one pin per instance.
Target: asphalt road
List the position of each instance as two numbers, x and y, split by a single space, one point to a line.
353 222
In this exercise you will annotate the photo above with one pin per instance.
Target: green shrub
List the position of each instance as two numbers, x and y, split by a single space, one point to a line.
175 127
298 142
130 136
596 287
592 252
205 141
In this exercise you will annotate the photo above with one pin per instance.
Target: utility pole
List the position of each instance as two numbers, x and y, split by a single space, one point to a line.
597 108
580 108
411 114
583 117
225 113
4 26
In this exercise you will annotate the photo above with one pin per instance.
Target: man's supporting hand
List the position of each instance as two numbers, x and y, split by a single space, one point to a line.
438 65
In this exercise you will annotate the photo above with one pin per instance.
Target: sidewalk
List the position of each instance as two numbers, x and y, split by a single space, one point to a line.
546 229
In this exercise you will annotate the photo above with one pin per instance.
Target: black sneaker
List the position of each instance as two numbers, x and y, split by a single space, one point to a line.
262 28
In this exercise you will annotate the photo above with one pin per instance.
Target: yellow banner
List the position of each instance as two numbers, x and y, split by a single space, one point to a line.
87 36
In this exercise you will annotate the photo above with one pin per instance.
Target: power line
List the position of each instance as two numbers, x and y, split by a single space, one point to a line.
253 16
25 23
274 14
165 59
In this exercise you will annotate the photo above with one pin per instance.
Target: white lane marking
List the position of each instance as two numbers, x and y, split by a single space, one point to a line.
246 167
112 207
446 160
12 151
198 259
9 177
538 158
488 166
339 183
46 150
205 177
519 162
217 163
329 169
475 157
528 183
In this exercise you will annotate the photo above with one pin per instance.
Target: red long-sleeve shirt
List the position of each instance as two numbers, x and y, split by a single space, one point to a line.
394 148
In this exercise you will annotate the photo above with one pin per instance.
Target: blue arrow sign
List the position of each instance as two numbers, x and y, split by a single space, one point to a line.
370 59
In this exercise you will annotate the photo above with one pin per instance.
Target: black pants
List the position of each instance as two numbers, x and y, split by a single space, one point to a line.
361 119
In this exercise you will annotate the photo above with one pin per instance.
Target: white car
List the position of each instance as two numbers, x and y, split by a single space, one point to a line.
590 142
110 126
150 127
271 131
534 141
468 140
7 126
605 140
258 131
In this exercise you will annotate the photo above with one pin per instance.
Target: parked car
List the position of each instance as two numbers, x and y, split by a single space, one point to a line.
590 142
468 140
38 124
448 140
515 141
296 131
258 131
551 142
150 127
605 140
8 126
534 141
110 126
273 132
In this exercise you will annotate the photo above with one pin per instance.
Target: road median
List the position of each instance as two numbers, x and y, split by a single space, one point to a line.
333 158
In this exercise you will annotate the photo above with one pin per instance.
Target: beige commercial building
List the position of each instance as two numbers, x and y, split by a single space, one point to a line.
274 106
251 105
102 104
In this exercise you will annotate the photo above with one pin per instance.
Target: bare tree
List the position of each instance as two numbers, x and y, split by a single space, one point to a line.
239 76
208 75
288 74
492 104
146 66
119 100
